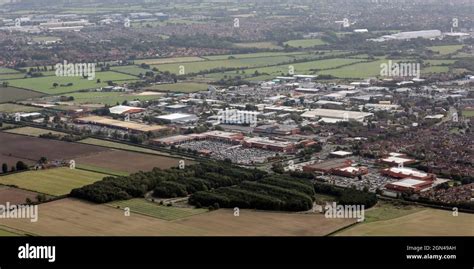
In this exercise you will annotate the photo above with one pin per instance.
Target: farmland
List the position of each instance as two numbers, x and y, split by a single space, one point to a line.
252 55
305 43
206 66
169 60
126 161
108 98
14 108
7 233
258 45
141 206
15 196
468 113
10 94
78 218
4 70
56 182
115 145
278 70
421 222
443 50
185 87
130 69
31 149
31 131
45 84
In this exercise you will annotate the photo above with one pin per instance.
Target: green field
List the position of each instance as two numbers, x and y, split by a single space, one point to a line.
252 55
412 222
206 66
435 69
56 181
359 70
305 43
11 76
443 50
169 60
133 70
45 84
141 206
14 108
184 87
258 45
278 70
115 145
10 94
468 113
4 70
31 131
7 233
6 126
101 170
108 98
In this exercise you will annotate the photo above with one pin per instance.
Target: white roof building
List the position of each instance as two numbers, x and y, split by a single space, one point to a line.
336 114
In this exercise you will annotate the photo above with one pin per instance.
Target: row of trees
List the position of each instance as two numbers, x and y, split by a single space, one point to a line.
167 183
270 193
347 196
20 166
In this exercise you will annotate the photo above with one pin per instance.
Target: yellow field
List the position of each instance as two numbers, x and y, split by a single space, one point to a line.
427 222
31 131
56 181
72 217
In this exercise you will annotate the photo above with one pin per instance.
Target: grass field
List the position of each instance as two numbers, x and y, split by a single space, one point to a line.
78 218
195 67
7 233
115 145
130 69
108 98
278 70
359 70
443 50
4 70
258 45
142 206
468 113
14 108
101 170
10 94
185 87
45 84
31 131
253 55
169 60
56 182
412 222
11 76
305 43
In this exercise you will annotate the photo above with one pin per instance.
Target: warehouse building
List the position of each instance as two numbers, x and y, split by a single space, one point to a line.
403 172
178 118
265 143
123 110
336 115
409 185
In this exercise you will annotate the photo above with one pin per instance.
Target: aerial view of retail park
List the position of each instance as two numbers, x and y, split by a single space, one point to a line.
236 118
